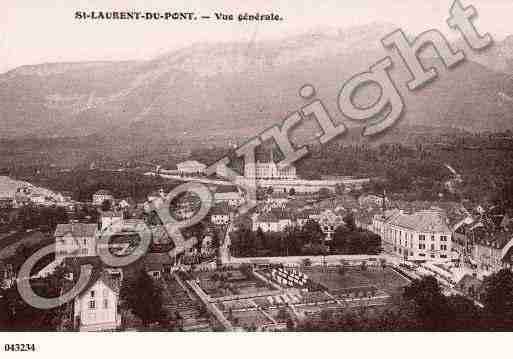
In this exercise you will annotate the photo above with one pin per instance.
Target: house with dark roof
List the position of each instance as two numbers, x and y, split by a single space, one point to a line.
157 264
493 251
101 196
274 221
96 307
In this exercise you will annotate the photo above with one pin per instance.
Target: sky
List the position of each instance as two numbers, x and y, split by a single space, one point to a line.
33 32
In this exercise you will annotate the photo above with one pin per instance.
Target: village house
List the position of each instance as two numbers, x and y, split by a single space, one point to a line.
111 220
7 275
220 215
101 196
471 286
190 168
228 194
158 264
40 199
207 246
64 196
272 221
96 308
373 200
21 198
493 251
277 200
125 204
6 203
75 240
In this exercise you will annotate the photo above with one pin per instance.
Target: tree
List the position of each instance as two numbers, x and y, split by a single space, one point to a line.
350 222
498 298
106 205
431 306
344 266
324 193
313 231
143 297
283 315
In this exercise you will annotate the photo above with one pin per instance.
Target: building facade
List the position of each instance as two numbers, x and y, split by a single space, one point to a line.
96 308
75 240
187 168
269 170
421 236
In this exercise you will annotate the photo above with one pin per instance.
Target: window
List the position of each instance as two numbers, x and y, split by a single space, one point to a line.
432 256
443 238
443 247
422 237
432 238
105 304
443 256
432 247
422 246
92 304
92 294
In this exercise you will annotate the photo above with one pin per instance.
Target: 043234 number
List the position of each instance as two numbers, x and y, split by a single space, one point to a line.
20 347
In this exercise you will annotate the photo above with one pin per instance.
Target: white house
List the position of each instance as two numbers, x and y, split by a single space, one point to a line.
228 194
111 219
96 308
272 221
269 170
220 215
75 240
423 235
191 168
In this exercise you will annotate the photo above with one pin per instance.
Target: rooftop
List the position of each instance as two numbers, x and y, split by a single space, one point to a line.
422 221
76 229
190 163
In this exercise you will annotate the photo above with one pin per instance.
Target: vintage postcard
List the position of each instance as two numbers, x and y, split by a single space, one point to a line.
263 166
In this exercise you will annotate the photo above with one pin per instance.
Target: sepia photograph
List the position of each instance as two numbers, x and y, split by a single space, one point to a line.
340 170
